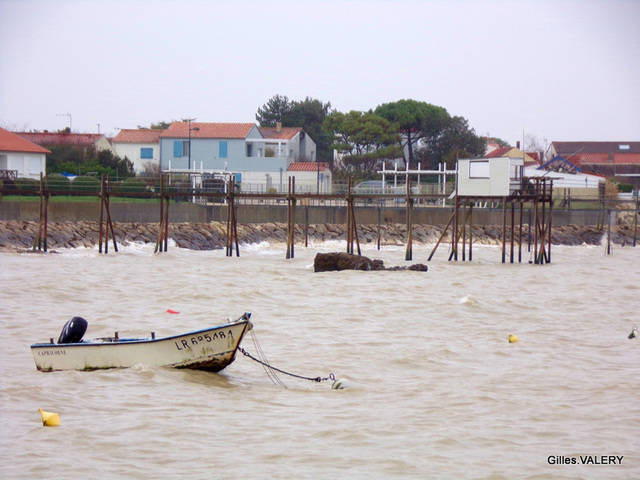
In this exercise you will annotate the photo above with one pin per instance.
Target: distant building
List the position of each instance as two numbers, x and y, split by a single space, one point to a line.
82 141
615 160
20 158
313 177
258 157
529 159
140 146
292 142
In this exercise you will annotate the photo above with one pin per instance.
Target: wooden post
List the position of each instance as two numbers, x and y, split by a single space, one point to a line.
232 221
470 232
409 253
513 230
101 216
349 231
609 232
464 230
380 232
43 218
158 247
635 218
520 234
306 226
550 219
454 236
109 221
504 229
291 212
444 232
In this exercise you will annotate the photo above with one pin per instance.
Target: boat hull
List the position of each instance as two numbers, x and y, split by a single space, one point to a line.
210 349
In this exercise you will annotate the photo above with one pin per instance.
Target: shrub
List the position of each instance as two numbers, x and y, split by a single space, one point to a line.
133 185
58 183
26 185
85 184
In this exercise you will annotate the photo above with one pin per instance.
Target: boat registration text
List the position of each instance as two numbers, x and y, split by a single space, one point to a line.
198 339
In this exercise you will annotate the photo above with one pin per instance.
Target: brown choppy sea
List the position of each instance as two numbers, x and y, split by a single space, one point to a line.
435 388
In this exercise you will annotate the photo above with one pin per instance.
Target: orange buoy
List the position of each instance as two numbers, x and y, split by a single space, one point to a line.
172 311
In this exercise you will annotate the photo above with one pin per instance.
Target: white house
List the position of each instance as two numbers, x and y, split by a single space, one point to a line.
292 142
140 146
311 177
489 177
20 157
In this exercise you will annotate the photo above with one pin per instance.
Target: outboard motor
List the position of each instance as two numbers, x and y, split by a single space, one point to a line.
73 330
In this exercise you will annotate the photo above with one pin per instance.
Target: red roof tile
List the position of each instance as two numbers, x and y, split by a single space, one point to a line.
499 152
307 166
617 158
75 139
10 142
570 148
208 130
138 136
285 133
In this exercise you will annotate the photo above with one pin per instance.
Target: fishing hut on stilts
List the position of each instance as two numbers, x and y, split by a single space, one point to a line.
500 182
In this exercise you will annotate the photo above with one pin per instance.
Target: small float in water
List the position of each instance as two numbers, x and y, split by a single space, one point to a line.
210 349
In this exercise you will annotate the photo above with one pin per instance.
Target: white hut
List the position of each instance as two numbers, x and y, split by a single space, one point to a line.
489 177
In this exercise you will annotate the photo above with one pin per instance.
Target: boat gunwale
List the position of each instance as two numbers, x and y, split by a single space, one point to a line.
130 341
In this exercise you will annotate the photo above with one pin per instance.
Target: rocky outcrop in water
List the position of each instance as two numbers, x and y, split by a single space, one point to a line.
331 262
212 236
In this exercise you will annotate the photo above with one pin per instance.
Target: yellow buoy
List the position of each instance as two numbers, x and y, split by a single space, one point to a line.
49 419
513 338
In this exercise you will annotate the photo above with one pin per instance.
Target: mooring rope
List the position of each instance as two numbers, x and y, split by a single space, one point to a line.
271 367
263 360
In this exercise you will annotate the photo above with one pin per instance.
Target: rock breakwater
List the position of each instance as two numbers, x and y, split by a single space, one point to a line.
212 236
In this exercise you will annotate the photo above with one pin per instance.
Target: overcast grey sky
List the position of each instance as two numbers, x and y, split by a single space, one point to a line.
559 70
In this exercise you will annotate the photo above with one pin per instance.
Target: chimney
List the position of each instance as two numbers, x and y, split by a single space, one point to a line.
518 144
278 127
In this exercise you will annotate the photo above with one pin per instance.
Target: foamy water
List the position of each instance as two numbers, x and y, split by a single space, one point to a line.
436 390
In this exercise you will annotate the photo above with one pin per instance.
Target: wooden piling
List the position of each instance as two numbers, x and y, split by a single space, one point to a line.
39 241
352 228
409 253
291 214
504 229
232 221
104 206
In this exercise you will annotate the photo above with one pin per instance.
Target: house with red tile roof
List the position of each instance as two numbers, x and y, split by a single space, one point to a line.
515 153
314 177
139 146
20 158
615 160
259 157
82 141
290 142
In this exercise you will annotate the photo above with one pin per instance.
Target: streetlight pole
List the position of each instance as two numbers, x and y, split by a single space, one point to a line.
195 129
189 126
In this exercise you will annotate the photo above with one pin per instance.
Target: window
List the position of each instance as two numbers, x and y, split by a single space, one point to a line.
34 165
181 148
479 169
146 152
223 149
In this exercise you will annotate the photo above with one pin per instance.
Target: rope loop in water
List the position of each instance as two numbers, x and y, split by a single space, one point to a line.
267 365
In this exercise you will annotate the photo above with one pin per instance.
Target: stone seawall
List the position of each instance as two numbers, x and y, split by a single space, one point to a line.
212 236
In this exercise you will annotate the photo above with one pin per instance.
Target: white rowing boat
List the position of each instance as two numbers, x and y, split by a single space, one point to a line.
210 349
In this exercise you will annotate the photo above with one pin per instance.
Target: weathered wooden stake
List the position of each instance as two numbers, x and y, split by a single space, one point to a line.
409 253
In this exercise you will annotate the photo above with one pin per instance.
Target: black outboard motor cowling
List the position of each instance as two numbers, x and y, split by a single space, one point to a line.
73 330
